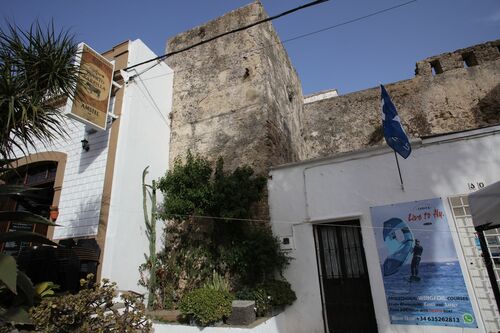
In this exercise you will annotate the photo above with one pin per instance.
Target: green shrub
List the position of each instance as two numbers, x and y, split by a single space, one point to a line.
208 229
91 310
262 301
187 188
193 188
272 293
281 292
254 255
206 306
235 193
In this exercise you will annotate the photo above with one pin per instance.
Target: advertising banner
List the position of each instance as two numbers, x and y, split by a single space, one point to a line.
422 277
93 89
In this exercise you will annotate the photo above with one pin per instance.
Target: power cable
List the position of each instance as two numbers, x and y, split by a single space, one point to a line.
278 222
331 224
292 38
144 70
151 100
162 57
349 21
269 222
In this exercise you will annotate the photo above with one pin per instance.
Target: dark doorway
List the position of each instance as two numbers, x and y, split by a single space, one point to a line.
38 175
347 298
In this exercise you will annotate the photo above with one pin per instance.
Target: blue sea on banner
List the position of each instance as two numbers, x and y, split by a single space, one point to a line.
451 306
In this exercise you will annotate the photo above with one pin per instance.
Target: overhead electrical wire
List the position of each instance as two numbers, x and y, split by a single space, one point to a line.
360 18
147 95
158 60
162 57
331 224
349 21
268 222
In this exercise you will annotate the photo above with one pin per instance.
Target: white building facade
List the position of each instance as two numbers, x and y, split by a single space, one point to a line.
98 191
322 208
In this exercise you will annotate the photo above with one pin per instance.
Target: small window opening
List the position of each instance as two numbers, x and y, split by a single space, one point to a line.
290 92
469 59
436 67
247 73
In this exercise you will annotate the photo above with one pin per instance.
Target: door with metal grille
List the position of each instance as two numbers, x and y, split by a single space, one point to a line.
347 299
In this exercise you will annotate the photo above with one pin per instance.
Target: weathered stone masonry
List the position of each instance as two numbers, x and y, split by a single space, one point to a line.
457 96
240 98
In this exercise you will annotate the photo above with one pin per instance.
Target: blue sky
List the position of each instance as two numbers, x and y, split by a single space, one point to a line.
356 56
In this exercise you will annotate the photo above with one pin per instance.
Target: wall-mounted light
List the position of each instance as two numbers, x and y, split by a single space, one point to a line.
85 144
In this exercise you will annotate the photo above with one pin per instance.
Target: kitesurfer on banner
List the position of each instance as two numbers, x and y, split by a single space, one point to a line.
415 261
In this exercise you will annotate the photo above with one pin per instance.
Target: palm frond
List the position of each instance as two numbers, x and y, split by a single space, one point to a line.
36 67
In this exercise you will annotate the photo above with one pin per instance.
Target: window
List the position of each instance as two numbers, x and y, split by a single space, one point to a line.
436 67
469 59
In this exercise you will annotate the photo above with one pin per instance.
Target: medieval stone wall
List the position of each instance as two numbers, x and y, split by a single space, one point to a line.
450 92
237 96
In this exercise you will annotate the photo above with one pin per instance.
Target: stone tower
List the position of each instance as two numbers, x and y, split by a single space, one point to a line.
237 96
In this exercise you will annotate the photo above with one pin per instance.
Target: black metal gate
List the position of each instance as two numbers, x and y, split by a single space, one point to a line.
347 299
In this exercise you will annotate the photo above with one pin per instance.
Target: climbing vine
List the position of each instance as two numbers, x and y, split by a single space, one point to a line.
209 229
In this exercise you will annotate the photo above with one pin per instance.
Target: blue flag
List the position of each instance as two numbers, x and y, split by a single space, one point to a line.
394 133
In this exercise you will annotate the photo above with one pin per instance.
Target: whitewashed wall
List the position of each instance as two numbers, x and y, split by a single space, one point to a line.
143 140
275 324
348 185
81 193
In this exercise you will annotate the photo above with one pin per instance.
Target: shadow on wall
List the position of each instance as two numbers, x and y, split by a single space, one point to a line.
97 143
283 324
82 219
487 110
448 177
89 210
466 158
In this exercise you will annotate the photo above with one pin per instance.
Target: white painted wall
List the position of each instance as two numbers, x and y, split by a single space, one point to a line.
321 96
143 140
346 186
275 324
81 193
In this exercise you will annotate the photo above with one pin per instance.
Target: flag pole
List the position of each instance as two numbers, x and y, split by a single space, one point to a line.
399 171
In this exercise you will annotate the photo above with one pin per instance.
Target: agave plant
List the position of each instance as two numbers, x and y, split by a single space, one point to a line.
37 70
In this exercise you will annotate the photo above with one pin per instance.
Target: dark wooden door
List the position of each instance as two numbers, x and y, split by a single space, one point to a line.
347 299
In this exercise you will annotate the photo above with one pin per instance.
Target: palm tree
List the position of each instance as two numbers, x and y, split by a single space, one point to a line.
37 72
36 69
